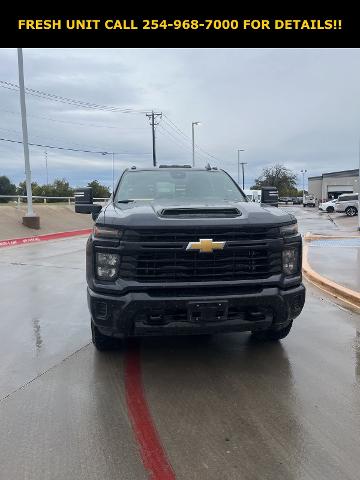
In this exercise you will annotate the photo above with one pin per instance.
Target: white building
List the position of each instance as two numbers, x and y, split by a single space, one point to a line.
331 185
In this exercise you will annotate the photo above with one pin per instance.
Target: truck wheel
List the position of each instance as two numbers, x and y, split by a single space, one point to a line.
272 335
103 342
351 211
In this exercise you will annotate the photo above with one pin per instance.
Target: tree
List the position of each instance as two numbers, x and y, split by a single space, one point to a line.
6 188
21 189
99 191
279 177
61 188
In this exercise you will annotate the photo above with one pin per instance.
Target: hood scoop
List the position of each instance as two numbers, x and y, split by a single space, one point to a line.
202 212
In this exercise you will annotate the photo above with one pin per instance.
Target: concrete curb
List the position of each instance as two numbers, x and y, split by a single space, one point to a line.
43 238
346 295
308 237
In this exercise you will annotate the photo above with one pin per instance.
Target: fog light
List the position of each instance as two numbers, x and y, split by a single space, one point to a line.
107 265
290 257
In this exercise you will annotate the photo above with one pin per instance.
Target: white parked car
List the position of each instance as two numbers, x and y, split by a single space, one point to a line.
329 206
348 203
309 201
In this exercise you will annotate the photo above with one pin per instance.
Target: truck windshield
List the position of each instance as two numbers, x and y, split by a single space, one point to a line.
186 185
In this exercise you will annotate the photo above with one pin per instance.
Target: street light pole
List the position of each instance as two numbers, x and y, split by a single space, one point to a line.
240 150
46 166
113 171
113 168
359 190
193 141
303 175
243 174
30 220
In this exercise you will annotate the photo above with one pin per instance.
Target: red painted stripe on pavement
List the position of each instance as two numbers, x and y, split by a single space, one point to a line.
43 238
151 450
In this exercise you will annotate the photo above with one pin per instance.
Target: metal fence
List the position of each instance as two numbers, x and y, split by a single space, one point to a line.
70 200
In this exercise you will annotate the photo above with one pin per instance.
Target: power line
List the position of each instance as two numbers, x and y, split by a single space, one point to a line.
53 139
179 141
70 101
101 152
170 136
95 125
80 103
171 124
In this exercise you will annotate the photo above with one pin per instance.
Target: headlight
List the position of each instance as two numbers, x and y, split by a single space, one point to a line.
107 265
105 232
290 258
289 229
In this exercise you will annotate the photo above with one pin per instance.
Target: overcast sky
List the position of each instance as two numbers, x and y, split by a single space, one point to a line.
300 108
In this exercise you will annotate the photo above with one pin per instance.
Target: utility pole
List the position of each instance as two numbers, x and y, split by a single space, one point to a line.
152 116
46 166
30 220
240 150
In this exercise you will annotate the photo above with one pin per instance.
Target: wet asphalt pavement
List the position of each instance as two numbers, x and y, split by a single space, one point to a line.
338 260
225 408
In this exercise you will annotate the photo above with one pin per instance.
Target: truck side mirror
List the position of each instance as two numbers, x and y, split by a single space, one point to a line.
270 196
84 202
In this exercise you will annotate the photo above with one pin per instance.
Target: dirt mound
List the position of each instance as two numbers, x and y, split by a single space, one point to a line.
53 218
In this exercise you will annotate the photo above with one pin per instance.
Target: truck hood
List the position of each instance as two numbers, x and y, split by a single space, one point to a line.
150 214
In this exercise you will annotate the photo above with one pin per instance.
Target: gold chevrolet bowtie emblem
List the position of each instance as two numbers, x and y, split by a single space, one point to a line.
205 245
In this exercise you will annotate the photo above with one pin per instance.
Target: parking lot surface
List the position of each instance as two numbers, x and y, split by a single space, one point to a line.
223 408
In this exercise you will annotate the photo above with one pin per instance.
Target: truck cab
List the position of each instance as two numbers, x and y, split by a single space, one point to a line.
180 250
309 201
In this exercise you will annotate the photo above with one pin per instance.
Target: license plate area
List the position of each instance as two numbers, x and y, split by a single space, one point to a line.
203 312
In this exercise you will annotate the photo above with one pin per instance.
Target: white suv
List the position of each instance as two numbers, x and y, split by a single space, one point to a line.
348 203
328 207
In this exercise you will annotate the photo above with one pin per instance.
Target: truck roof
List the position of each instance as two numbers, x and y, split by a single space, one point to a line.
171 167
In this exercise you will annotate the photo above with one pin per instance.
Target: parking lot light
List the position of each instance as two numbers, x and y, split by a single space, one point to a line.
303 183
30 220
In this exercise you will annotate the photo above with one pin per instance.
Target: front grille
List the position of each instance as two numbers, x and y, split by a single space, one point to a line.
160 255
193 234
175 265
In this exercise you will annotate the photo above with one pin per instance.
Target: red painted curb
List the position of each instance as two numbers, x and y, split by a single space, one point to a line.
152 453
43 238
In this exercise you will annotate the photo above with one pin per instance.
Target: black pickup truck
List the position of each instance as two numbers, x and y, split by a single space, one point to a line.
180 250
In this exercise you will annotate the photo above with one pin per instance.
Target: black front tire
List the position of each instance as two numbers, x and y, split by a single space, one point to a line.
330 209
102 342
272 335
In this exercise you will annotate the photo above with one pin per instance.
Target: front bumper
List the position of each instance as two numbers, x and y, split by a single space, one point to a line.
168 313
